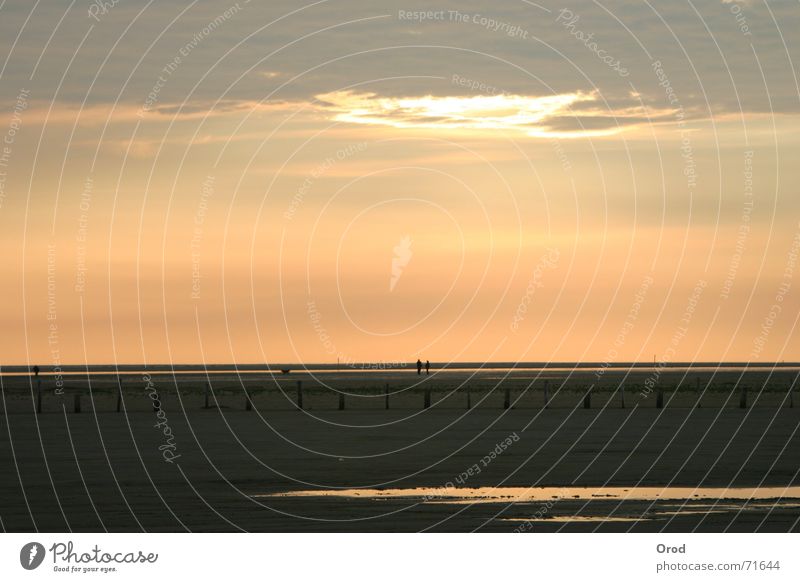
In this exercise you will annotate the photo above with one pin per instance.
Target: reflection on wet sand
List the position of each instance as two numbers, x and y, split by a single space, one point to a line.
582 504
573 518
532 494
657 511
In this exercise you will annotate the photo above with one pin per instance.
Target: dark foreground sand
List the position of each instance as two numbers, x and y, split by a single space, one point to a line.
105 470
94 471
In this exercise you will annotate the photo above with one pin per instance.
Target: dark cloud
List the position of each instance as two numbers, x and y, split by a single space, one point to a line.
282 50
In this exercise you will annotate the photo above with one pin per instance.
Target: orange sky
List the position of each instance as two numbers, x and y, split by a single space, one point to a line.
367 222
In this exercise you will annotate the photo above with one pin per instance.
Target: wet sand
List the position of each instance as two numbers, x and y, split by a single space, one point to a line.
236 469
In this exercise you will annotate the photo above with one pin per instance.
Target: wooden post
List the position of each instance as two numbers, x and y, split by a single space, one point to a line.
587 399
386 397
469 398
35 371
427 403
743 397
697 384
77 403
38 396
208 391
546 394
507 401
622 393
341 400
119 393
248 404
660 397
299 395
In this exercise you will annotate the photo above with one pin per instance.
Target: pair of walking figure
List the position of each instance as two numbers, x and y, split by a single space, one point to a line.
427 367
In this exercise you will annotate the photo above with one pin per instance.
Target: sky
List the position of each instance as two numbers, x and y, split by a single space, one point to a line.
379 181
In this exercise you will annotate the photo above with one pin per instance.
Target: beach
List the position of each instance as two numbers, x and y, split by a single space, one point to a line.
272 466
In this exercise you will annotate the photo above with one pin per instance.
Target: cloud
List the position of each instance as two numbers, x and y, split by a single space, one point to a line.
476 112
40 112
710 63
571 115
568 115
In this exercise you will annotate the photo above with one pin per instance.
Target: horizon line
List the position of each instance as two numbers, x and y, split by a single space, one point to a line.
382 366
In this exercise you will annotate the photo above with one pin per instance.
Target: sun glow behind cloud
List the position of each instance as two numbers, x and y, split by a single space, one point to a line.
529 114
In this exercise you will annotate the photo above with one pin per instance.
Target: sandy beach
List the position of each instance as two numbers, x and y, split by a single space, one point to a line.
442 468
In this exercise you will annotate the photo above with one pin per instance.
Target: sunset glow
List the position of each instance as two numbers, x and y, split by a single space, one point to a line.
194 207
478 112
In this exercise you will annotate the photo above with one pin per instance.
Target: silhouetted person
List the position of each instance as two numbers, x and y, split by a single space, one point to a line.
419 367
427 367
36 370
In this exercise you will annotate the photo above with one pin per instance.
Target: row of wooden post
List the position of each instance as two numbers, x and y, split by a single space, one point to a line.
587 398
